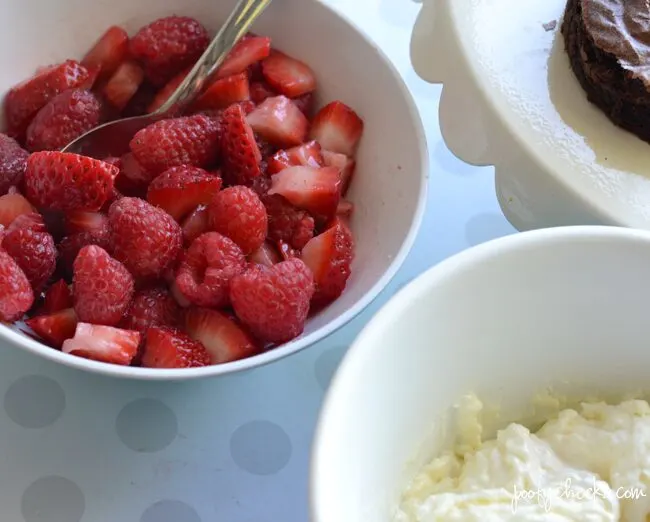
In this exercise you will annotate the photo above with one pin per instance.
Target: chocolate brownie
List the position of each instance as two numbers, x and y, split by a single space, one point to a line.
608 43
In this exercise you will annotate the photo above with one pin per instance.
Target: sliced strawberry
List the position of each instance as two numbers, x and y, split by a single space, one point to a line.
287 75
266 255
133 178
195 224
103 343
317 190
80 221
337 128
12 206
170 348
54 328
345 165
58 297
23 101
123 85
170 87
260 91
108 52
93 76
329 255
345 208
67 182
240 153
249 50
179 190
279 122
308 155
222 336
223 93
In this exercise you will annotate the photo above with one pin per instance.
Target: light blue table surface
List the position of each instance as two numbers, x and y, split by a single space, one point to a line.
77 447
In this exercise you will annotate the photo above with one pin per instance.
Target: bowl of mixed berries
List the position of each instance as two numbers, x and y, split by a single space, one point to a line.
265 216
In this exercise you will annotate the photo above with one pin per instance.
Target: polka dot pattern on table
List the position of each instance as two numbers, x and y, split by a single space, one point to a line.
261 447
170 511
146 425
53 499
34 401
326 365
485 227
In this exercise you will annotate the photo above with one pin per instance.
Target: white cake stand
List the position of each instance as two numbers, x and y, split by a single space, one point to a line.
511 100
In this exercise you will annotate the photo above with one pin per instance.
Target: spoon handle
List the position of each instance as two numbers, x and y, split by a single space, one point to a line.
238 23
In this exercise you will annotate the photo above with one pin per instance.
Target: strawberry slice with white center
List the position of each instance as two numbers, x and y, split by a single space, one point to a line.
124 83
280 122
108 52
180 190
80 221
337 128
195 224
223 93
308 154
287 75
345 165
329 256
222 336
12 206
249 50
317 190
266 255
240 153
54 328
103 343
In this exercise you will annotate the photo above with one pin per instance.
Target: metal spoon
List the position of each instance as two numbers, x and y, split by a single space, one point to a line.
112 138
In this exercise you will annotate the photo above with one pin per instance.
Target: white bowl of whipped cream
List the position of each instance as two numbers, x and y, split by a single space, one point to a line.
507 383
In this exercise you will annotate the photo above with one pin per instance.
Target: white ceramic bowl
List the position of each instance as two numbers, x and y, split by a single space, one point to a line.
565 308
558 159
389 188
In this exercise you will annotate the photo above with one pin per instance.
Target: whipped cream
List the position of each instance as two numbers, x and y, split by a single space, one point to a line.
588 465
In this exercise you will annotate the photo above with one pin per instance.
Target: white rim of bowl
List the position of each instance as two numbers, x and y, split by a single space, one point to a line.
358 351
137 373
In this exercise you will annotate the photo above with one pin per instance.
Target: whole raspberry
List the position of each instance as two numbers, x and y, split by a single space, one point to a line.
168 45
65 117
151 307
190 140
288 223
35 253
208 266
102 287
274 302
238 214
16 295
13 159
144 238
